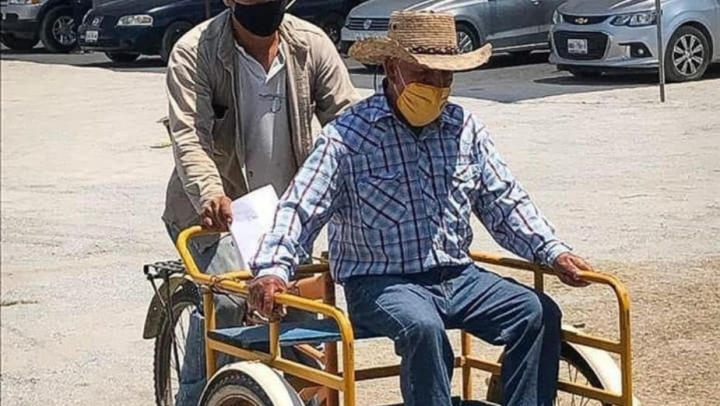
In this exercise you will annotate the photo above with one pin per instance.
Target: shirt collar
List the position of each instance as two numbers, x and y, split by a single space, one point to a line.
381 104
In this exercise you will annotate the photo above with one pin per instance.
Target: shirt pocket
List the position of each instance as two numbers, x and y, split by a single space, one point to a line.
382 201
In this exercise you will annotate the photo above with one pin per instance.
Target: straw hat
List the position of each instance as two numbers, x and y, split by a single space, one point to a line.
424 38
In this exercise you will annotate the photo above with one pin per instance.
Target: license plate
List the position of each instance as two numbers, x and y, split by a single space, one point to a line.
360 35
91 36
577 46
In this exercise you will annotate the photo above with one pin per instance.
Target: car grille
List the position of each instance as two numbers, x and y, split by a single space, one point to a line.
582 20
596 42
368 24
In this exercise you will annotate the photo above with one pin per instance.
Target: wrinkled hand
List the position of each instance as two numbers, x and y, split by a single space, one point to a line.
568 266
262 296
217 214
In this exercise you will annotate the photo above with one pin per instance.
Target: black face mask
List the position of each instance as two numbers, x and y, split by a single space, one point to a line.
261 19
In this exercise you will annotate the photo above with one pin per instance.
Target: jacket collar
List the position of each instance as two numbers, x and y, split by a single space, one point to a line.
296 46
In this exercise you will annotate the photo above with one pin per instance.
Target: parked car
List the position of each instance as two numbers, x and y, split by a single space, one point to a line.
327 14
126 29
590 38
514 26
27 22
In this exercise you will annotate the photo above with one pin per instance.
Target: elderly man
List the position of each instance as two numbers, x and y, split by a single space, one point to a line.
243 89
397 177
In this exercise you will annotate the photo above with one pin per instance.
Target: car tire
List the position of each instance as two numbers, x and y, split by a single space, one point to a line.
173 33
122 57
467 38
332 25
688 55
18 44
57 30
585 74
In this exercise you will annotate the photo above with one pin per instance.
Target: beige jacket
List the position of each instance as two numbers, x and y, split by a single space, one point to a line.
204 108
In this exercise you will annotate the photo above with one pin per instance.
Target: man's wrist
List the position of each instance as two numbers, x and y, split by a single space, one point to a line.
279 272
551 252
207 197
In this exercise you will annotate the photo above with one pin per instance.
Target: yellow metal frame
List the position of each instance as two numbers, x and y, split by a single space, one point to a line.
235 283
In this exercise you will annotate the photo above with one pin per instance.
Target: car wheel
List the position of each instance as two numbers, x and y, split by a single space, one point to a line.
687 56
332 25
57 30
585 74
122 57
172 34
18 44
467 38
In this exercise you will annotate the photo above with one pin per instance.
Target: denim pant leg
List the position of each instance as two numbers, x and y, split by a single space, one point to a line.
503 312
411 314
216 258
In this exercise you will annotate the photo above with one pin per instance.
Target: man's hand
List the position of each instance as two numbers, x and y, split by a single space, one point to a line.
568 267
217 214
262 296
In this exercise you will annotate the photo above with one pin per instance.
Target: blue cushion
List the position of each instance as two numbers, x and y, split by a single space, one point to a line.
291 333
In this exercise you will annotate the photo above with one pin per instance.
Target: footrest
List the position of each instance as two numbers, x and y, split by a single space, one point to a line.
291 333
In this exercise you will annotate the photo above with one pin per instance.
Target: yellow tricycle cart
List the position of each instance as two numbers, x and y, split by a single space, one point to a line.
589 375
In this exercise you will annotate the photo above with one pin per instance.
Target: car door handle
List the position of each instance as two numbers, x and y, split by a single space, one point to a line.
535 2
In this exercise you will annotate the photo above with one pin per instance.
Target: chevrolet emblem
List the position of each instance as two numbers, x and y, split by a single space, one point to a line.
581 20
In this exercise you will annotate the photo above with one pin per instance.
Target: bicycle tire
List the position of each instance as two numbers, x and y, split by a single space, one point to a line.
163 354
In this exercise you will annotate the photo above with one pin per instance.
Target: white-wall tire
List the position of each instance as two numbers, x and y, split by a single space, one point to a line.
595 367
249 383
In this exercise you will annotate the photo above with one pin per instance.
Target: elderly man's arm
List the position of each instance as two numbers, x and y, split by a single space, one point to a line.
333 90
191 119
513 220
305 207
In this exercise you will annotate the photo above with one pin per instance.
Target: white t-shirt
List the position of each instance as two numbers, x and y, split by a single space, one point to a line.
264 121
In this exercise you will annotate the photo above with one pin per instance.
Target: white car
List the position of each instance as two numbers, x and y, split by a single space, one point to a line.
590 37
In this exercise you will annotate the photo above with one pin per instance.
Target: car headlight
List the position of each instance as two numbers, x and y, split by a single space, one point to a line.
142 20
24 2
635 20
557 17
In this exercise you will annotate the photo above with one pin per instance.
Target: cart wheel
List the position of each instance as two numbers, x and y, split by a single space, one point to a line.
249 384
582 365
165 365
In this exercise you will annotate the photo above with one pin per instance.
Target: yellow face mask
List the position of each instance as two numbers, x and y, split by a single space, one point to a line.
422 104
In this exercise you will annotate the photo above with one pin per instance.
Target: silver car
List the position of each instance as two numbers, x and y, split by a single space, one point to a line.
515 26
590 37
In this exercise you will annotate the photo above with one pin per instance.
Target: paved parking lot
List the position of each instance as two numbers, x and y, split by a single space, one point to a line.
504 79
632 184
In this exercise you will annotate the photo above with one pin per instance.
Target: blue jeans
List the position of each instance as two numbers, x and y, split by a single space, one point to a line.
415 310
215 256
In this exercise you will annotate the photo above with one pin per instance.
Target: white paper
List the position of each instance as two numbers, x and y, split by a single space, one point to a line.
253 216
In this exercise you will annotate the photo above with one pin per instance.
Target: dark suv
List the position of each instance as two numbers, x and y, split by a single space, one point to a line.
54 22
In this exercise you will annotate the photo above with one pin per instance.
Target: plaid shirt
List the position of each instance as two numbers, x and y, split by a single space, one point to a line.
399 202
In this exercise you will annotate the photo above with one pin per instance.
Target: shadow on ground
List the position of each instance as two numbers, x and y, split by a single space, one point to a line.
505 79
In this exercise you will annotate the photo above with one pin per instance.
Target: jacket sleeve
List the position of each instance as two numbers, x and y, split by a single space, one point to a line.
333 90
191 121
